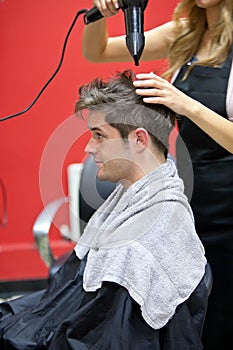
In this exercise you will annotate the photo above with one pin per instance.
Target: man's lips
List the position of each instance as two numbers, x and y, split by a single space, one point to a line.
98 162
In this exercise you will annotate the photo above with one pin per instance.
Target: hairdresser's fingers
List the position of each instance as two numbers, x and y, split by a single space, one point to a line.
150 80
153 95
107 7
151 85
155 89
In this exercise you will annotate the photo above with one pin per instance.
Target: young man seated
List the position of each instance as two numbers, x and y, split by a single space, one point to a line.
135 280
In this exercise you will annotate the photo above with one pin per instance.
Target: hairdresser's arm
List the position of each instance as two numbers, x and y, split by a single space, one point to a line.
98 47
158 90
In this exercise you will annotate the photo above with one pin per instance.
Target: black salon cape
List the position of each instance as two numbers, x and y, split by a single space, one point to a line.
66 317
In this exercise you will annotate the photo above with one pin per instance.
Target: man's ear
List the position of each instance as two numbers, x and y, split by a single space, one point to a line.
141 138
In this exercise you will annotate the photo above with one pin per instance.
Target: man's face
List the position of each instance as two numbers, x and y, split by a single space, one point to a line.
112 155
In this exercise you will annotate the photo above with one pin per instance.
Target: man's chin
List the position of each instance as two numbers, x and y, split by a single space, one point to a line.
100 175
103 176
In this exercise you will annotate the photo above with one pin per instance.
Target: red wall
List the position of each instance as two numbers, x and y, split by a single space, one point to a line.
37 146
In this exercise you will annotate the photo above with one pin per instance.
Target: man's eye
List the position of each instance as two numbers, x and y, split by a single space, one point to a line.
98 136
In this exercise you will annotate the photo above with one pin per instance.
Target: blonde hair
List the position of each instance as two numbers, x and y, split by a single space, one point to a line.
191 24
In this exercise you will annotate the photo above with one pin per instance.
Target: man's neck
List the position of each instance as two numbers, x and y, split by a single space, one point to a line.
139 172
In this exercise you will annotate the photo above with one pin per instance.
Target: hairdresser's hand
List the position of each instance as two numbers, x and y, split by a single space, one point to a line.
107 7
155 89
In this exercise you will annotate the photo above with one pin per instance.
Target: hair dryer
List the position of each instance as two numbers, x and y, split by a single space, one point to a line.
134 24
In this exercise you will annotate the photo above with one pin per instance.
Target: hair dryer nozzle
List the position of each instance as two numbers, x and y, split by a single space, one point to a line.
134 23
135 44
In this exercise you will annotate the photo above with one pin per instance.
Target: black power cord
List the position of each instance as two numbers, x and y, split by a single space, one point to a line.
54 74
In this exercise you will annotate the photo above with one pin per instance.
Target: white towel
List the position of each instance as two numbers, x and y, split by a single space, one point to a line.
144 239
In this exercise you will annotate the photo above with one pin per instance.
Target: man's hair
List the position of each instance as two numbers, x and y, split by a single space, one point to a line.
124 110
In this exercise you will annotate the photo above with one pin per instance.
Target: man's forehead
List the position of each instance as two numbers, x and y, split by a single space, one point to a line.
96 119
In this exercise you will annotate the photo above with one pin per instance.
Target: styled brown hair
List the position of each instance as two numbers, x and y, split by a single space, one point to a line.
125 110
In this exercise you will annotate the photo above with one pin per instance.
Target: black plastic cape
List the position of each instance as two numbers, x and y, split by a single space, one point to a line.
66 317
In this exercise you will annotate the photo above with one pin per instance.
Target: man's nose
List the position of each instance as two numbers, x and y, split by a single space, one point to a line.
90 147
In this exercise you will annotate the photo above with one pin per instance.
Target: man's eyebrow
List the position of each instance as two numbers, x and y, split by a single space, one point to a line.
94 128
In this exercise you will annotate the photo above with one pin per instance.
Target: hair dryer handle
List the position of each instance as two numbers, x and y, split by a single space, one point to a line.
92 15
